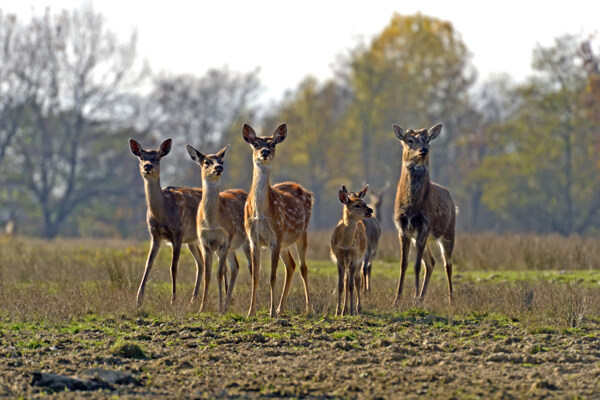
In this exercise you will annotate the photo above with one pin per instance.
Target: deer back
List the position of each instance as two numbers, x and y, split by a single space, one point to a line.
179 218
290 207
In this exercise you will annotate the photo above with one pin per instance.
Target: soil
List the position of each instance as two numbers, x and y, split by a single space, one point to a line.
369 356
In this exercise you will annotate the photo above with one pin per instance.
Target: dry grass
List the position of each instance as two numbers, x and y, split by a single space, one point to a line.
67 280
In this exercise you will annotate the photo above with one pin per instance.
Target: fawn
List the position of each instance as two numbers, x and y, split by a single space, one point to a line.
275 217
348 245
424 211
373 231
220 224
171 215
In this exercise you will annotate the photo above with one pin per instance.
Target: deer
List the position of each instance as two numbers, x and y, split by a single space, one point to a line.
424 211
220 224
171 216
275 217
348 246
373 231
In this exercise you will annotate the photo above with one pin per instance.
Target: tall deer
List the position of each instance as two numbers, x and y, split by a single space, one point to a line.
171 215
220 224
424 211
348 245
275 217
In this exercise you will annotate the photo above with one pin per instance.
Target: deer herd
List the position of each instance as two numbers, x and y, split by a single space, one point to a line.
210 221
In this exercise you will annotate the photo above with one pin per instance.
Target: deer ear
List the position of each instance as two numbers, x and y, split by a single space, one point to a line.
248 134
399 132
344 189
363 192
135 147
195 155
165 147
221 153
280 133
343 197
434 131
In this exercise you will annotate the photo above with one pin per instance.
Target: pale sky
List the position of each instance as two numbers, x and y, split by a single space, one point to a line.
290 40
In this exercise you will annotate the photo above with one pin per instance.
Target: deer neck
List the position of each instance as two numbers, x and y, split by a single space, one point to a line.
155 198
414 183
209 205
259 198
348 232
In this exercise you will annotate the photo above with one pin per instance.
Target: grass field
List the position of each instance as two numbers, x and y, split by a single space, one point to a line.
525 323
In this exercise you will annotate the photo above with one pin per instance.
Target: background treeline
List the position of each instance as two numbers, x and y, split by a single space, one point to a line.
517 157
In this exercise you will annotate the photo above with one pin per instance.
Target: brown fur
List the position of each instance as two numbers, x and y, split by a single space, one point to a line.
424 211
348 245
170 217
220 225
275 217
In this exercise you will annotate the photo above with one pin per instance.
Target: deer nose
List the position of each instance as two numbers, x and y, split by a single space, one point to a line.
219 168
265 152
147 167
424 151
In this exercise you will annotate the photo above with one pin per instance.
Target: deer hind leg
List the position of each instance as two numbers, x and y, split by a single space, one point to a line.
194 248
154 247
447 247
255 270
275 252
405 247
174 264
301 247
248 254
341 270
351 283
221 275
364 271
290 267
357 283
234 266
429 262
345 309
208 258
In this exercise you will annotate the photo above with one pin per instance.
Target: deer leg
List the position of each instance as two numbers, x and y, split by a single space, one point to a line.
255 254
290 266
235 267
420 245
357 283
338 309
301 246
429 264
174 264
221 276
208 258
405 247
364 271
275 251
248 254
195 250
346 291
447 246
154 247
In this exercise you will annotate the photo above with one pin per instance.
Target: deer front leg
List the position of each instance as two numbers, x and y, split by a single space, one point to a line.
154 247
338 309
275 251
429 265
404 246
174 264
357 284
346 292
420 244
221 272
208 257
351 275
255 254
195 250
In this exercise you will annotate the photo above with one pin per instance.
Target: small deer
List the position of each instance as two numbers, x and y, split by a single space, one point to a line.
348 245
424 211
275 217
220 224
171 215
373 230
376 200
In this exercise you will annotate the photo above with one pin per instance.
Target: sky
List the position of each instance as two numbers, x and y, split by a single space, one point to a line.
289 40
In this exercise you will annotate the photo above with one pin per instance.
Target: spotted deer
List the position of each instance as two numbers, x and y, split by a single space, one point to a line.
220 224
424 211
171 215
348 246
275 217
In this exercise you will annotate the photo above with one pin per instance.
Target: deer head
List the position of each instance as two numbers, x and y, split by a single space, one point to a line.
416 143
355 207
212 164
263 148
150 159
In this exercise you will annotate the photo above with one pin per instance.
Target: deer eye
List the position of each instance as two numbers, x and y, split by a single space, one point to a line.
357 206
255 145
207 163
410 141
